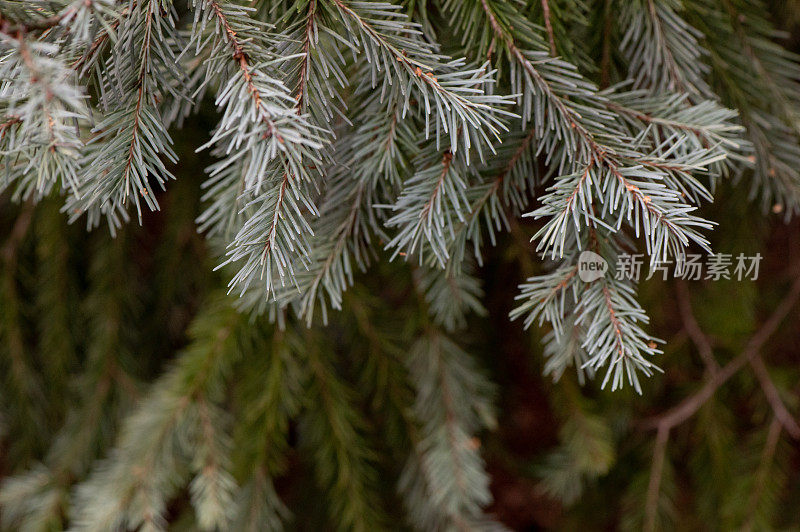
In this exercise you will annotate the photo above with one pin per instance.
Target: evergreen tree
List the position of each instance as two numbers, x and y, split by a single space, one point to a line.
373 219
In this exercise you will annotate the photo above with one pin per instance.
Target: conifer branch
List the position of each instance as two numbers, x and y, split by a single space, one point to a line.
346 226
273 147
41 106
664 52
332 427
134 486
394 48
456 483
344 129
129 141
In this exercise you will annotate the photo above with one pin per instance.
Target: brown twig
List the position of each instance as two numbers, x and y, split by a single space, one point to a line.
17 234
447 160
780 411
686 409
693 329
13 28
689 406
549 27
304 63
103 37
605 60
9 121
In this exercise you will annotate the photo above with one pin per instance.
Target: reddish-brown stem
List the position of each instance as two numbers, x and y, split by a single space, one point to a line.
240 57
549 26
689 406
304 63
780 411
693 329
447 160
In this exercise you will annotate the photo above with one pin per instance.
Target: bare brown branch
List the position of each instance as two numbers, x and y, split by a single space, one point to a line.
693 329
549 26
686 409
780 411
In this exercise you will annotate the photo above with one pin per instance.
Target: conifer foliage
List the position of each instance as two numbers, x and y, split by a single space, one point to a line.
347 141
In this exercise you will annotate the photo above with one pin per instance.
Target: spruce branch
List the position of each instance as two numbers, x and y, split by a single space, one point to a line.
590 153
454 96
451 295
635 194
607 177
585 451
21 383
133 486
663 51
260 506
545 298
43 108
746 65
503 192
106 391
70 24
126 150
265 144
431 203
333 428
598 323
344 129
348 223
451 486
305 63
269 397
319 76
